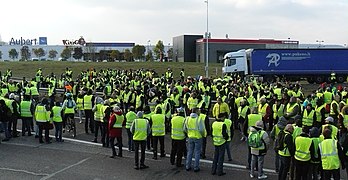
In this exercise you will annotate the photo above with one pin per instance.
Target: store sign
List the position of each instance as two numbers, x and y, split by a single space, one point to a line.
23 42
80 41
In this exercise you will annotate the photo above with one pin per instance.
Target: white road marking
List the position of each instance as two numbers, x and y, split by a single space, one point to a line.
23 171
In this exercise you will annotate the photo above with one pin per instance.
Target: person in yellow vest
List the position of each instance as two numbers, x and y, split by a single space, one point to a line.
251 120
320 112
192 101
107 111
88 104
286 151
130 117
68 108
178 138
220 107
139 101
334 107
4 119
315 161
328 96
157 123
308 116
276 130
343 117
98 118
57 114
258 154
292 109
42 118
140 129
329 123
265 110
220 136
195 130
243 112
115 125
230 132
304 151
14 107
331 155
79 106
27 109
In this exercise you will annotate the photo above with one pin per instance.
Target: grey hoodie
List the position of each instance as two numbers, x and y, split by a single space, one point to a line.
201 126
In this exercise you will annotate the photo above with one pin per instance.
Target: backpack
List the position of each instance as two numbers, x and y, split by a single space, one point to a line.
255 139
69 104
279 143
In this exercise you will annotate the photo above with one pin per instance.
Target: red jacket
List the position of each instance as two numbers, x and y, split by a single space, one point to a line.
115 132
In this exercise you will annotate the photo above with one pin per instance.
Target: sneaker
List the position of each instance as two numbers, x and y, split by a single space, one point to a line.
242 139
251 175
262 177
80 122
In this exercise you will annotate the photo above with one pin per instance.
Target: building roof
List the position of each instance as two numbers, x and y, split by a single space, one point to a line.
247 41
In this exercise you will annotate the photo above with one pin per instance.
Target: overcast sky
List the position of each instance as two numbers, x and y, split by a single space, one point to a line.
142 20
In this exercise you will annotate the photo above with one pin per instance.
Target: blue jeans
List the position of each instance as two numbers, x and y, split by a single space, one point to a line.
228 150
257 161
59 128
218 162
194 146
130 140
4 126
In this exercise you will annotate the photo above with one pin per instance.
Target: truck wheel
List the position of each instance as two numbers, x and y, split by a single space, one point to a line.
340 79
269 79
319 79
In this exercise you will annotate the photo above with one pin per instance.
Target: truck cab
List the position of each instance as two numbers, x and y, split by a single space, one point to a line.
236 62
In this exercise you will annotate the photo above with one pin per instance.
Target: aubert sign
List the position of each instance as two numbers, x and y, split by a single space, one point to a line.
28 42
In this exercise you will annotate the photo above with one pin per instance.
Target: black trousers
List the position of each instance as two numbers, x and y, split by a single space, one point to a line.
178 149
302 169
26 125
204 146
331 173
99 125
284 167
89 122
43 126
12 125
112 144
155 144
142 145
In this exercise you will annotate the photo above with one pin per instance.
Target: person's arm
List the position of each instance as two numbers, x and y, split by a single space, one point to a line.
207 125
272 134
290 144
224 132
312 151
132 127
341 155
245 126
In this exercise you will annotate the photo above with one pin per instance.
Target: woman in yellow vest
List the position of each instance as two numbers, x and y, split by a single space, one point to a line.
220 136
116 123
57 119
332 157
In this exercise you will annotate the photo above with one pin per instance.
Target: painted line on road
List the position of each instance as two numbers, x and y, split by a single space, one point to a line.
23 171
237 166
66 168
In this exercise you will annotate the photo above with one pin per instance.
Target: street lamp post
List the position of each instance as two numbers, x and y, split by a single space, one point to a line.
207 42
148 49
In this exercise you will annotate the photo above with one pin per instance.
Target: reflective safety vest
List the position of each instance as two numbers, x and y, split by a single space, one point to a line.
25 109
152 104
4 91
297 131
50 91
99 114
130 117
243 112
140 129
302 145
285 152
345 120
290 108
278 112
329 154
318 112
119 121
228 123
8 103
333 128
158 127
41 114
218 138
202 117
68 110
56 110
138 101
176 99
79 103
192 128
34 91
331 108
307 119
327 97
192 103
252 119
87 102
178 128
263 109
278 92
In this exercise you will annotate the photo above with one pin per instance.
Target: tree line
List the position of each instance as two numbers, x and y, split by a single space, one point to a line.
90 53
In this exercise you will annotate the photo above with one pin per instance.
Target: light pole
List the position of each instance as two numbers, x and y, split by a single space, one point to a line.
148 49
207 42
319 43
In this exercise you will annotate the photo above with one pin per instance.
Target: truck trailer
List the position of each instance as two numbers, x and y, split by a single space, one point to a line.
314 65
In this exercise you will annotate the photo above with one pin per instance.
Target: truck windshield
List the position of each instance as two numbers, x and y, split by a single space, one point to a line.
230 62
